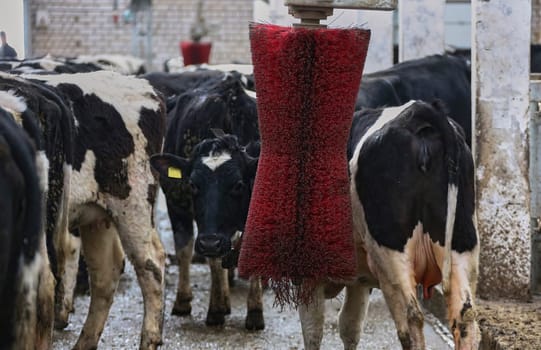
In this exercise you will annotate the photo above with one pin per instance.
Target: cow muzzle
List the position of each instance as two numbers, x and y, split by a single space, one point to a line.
212 245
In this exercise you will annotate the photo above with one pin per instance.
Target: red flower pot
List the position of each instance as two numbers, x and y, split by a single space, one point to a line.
195 52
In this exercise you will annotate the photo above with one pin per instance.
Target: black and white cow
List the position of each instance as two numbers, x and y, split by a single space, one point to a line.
412 189
50 64
37 111
221 175
116 124
442 77
127 65
123 64
212 185
7 64
20 235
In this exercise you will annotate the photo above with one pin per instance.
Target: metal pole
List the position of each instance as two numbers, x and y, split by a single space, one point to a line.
500 102
27 29
535 181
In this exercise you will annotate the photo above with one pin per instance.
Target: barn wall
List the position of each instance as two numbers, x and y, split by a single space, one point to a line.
536 21
73 27
421 28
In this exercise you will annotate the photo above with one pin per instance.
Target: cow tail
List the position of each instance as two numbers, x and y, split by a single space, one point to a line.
452 195
451 142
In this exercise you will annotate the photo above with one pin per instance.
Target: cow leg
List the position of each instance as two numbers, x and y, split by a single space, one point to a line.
312 319
66 248
45 305
143 247
406 314
462 313
69 279
68 263
26 303
220 304
104 257
395 274
183 306
254 317
352 315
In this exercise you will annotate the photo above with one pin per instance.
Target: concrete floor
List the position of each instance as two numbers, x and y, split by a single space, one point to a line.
282 330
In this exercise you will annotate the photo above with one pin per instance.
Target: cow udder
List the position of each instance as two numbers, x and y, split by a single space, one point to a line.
425 261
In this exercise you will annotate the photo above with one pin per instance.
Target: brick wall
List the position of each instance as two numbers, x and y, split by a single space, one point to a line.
86 27
536 21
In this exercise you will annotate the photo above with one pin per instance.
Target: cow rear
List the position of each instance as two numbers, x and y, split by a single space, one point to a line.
20 237
413 200
412 189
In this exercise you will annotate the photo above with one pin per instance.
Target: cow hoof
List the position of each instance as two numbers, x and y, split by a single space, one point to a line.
183 305
254 320
215 319
86 343
150 341
60 324
182 309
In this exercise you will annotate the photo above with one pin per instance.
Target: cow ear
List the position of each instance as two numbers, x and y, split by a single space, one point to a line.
171 166
251 167
218 132
440 106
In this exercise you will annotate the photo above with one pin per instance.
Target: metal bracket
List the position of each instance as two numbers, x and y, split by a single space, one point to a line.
310 12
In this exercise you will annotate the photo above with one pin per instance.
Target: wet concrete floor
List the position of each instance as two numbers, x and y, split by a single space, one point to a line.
282 331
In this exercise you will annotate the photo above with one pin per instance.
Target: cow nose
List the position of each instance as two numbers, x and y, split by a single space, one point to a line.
210 245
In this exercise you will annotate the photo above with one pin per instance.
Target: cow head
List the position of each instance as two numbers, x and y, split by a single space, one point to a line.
220 174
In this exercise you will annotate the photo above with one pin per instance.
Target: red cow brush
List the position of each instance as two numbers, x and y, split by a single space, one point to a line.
299 227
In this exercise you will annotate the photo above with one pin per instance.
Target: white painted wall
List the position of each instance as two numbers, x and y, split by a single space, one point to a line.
261 11
12 22
421 29
380 51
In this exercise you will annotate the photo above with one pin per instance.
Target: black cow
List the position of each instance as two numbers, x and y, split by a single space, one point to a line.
20 236
174 84
535 56
412 188
218 169
244 71
171 85
442 77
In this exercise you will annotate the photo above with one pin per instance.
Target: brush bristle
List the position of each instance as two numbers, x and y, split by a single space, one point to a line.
299 227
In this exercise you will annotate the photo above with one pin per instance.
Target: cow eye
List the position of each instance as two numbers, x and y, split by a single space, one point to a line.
238 188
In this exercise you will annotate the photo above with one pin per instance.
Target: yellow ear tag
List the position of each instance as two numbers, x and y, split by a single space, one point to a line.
174 173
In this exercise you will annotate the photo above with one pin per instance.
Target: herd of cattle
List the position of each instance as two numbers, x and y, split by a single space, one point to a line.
84 150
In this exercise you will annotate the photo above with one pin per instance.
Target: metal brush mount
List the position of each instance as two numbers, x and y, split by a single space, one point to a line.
310 12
